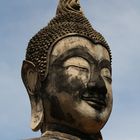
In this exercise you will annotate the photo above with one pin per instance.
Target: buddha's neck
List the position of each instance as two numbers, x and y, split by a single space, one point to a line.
64 131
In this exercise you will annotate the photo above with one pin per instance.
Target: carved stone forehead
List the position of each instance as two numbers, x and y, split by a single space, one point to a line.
71 42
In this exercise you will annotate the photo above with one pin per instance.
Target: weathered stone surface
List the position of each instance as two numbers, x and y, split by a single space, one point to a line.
67 73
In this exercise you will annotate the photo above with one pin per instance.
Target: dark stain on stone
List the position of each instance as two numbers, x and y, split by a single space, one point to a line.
56 111
70 119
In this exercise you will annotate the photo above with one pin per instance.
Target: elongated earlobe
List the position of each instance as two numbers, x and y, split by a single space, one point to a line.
37 114
32 83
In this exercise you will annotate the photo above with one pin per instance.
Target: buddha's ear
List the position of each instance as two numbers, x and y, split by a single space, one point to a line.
32 82
30 77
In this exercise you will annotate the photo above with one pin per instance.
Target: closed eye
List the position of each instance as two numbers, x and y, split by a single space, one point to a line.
105 72
109 79
79 68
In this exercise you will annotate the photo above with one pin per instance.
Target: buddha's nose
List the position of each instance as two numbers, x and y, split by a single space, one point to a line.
97 85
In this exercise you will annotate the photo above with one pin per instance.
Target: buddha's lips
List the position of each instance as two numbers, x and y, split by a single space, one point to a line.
95 102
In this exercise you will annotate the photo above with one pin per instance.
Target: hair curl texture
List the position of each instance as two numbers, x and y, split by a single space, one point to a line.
69 19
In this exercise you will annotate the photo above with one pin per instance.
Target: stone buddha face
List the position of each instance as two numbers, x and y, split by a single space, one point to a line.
77 91
68 80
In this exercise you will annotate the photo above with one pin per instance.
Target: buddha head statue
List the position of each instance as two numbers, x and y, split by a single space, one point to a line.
67 73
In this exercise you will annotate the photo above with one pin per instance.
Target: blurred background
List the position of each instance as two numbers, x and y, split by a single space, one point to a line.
119 23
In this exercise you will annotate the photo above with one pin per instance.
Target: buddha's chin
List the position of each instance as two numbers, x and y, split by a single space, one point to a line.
91 127
90 119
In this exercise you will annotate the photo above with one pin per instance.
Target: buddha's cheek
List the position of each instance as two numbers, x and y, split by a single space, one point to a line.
64 96
69 85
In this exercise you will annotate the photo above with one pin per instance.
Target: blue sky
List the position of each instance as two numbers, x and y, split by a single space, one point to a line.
117 20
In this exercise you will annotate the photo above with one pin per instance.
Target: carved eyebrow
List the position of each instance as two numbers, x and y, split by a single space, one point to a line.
105 64
80 53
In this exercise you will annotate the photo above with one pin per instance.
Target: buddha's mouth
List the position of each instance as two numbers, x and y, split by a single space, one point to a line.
94 101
